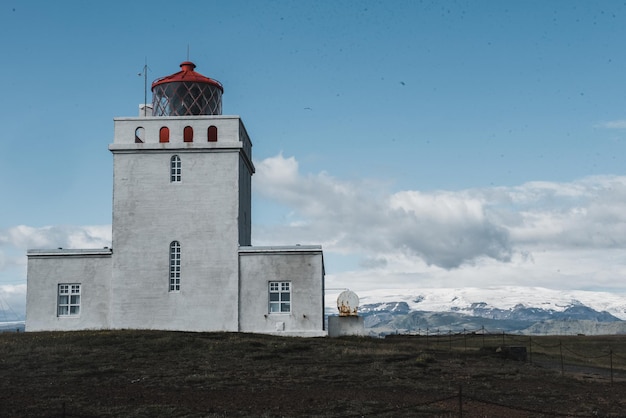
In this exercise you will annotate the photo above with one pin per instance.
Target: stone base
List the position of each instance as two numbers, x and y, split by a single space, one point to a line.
339 326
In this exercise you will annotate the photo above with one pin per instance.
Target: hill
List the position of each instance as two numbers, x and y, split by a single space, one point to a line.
170 374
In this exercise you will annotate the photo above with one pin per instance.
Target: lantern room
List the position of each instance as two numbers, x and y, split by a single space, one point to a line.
186 93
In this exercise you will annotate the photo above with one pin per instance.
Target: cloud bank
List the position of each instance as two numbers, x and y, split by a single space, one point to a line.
559 235
444 228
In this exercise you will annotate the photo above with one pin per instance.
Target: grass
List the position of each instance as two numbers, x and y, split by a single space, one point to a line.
176 374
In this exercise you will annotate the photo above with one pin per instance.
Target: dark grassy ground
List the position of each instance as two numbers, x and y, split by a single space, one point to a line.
175 374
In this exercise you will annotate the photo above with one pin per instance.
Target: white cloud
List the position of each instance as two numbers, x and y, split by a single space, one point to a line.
614 124
25 237
12 302
443 228
15 241
564 235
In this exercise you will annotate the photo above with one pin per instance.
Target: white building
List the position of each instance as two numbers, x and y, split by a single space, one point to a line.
181 256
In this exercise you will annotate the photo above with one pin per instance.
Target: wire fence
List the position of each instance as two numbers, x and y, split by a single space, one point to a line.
603 357
456 404
574 354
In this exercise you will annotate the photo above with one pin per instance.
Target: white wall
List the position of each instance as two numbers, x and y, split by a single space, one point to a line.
47 269
303 266
201 212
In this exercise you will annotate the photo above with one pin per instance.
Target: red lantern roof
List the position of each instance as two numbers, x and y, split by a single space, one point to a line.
189 75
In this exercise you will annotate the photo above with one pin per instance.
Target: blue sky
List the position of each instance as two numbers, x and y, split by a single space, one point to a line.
422 143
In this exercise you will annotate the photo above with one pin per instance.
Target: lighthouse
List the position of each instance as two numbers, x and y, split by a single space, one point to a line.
182 255
181 186
186 93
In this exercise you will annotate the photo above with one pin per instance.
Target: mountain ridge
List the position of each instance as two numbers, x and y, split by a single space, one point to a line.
514 309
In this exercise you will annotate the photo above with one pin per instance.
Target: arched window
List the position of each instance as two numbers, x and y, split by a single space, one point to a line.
174 266
188 134
140 134
164 134
212 133
175 169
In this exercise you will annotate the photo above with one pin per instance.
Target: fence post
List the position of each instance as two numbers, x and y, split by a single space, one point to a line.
460 401
450 340
503 338
530 349
426 337
561 351
483 328
464 339
611 360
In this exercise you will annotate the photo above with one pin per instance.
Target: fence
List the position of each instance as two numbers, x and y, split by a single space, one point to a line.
592 354
602 358
456 405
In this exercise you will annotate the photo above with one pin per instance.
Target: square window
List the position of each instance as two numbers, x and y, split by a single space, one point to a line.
279 297
68 299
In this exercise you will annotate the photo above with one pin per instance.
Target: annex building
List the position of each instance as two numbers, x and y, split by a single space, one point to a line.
181 255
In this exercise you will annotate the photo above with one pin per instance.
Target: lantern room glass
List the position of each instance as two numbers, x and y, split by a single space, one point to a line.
184 98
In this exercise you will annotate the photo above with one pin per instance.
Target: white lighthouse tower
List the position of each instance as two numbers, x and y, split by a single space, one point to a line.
181 256
181 181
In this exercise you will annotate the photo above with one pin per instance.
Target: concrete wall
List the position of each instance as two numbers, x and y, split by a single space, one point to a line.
230 130
303 266
201 212
49 268
245 204
339 326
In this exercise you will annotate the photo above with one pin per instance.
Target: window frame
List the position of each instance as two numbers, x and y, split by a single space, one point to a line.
176 169
69 299
175 255
279 297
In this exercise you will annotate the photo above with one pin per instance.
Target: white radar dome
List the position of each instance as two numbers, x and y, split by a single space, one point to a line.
347 303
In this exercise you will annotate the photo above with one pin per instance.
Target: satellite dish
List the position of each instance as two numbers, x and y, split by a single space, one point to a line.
347 303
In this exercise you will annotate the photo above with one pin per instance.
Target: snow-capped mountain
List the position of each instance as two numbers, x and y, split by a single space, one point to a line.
470 300
528 310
